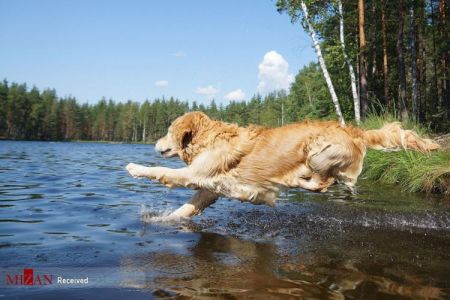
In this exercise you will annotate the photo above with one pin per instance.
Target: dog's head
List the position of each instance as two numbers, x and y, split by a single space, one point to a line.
181 133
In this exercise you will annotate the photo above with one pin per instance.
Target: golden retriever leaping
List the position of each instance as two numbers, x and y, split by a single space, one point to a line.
255 163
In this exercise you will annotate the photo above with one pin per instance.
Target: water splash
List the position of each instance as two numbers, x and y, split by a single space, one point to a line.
154 215
430 221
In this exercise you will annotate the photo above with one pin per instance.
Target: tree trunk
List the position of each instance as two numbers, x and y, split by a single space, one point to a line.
413 61
308 93
323 66
350 66
385 56
401 66
421 65
373 40
364 92
435 90
444 57
143 133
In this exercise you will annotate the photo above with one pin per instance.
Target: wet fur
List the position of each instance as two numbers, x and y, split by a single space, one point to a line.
255 163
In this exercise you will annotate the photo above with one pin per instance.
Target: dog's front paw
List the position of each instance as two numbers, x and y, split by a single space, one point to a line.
135 170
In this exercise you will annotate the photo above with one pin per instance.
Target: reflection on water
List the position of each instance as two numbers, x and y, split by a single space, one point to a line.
219 265
72 205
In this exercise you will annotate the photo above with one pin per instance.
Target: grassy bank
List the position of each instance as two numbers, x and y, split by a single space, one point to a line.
411 171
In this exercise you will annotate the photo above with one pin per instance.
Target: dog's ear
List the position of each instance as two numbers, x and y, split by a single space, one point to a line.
187 127
186 139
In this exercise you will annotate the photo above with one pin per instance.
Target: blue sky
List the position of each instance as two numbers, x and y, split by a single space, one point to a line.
192 50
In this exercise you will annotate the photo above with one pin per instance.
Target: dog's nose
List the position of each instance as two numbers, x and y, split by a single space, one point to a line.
158 147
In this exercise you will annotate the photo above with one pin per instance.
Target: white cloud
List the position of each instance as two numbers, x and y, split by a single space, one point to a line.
179 54
237 95
273 73
161 83
209 91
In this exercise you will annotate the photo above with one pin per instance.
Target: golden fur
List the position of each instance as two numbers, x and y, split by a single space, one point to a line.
255 163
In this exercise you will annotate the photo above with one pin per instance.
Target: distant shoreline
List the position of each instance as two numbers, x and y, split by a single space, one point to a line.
76 141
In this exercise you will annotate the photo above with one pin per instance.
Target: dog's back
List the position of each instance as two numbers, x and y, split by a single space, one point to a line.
310 152
315 154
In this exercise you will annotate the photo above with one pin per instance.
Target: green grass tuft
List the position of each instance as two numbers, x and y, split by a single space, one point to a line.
412 171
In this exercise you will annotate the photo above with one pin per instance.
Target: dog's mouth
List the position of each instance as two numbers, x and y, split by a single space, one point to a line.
168 153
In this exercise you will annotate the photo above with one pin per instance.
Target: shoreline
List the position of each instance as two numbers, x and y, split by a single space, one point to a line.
78 141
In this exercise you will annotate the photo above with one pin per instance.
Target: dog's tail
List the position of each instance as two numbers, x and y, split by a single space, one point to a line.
391 137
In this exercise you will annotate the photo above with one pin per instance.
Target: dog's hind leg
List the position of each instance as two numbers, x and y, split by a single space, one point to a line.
201 200
316 183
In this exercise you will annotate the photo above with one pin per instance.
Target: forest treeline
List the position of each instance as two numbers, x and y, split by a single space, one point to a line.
31 114
373 57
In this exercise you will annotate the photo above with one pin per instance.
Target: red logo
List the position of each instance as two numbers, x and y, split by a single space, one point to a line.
29 278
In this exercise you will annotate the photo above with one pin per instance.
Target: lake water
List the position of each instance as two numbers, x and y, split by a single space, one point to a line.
71 210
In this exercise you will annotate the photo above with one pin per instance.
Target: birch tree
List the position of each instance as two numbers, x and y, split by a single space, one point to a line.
323 65
351 71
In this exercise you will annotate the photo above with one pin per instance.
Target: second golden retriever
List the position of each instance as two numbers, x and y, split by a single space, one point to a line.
255 163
